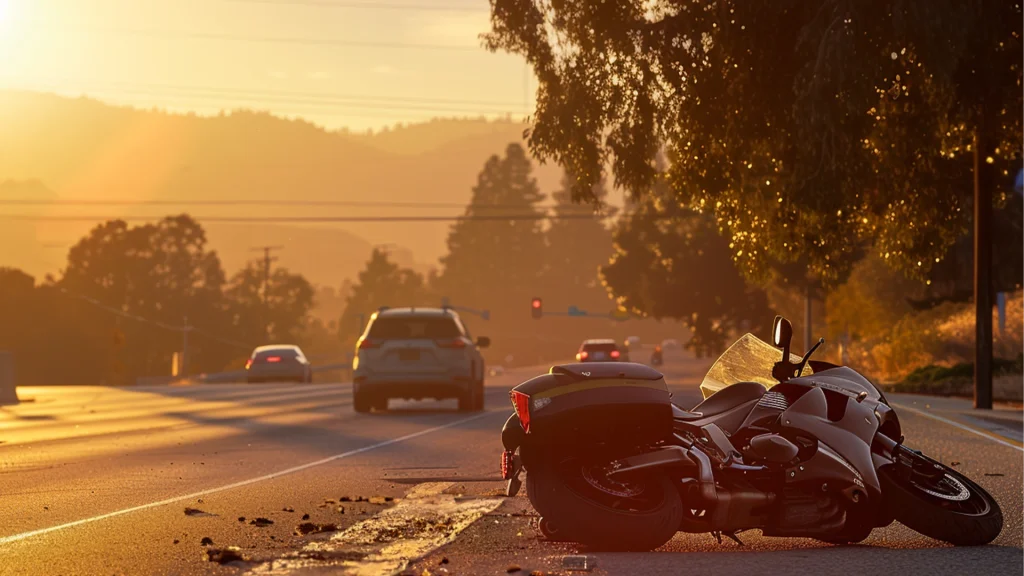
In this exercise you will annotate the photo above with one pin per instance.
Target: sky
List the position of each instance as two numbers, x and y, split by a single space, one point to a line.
356 64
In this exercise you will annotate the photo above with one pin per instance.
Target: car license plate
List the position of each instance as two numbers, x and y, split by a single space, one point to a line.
409 355
598 355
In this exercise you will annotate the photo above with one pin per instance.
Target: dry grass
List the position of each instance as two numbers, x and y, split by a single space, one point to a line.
942 336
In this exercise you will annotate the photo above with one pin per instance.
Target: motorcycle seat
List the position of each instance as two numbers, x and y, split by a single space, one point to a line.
722 401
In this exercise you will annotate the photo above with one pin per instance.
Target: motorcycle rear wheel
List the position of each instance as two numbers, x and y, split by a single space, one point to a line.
948 507
602 514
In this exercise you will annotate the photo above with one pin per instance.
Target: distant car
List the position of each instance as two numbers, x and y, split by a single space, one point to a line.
633 342
670 344
599 350
418 353
497 370
277 363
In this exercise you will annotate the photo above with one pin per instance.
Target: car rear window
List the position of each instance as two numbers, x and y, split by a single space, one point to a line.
410 328
600 347
280 353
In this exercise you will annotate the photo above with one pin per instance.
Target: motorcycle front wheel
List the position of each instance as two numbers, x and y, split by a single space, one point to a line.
640 513
941 503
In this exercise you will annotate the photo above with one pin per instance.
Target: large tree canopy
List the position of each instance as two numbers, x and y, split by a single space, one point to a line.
806 128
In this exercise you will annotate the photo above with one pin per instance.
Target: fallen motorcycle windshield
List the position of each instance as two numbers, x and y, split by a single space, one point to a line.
749 359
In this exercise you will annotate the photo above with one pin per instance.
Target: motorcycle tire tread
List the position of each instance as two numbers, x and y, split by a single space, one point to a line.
581 521
914 512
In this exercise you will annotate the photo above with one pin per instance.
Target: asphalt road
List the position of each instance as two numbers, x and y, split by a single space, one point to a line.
130 481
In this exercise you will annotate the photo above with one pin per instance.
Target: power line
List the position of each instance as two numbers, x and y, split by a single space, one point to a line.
309 219
157 323
290 40
365 5
316 105
274 203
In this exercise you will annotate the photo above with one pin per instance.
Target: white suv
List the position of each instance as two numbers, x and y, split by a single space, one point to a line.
417 353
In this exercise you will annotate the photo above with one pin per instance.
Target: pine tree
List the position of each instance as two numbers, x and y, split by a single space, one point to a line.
381 283
579 243
492 261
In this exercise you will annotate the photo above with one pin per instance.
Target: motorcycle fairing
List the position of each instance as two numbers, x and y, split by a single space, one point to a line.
850 436
843 380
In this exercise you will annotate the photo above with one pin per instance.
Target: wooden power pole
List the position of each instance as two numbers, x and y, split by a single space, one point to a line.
267 259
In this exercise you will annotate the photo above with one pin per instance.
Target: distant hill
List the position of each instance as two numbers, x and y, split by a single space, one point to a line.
79 148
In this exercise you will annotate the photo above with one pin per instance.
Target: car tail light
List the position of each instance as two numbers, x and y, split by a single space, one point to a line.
581 356
248 363
521 402
507 464
450 343
614 354
273 359
367 343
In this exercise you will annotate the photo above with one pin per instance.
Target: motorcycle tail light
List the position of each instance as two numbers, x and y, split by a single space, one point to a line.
521 402
506 464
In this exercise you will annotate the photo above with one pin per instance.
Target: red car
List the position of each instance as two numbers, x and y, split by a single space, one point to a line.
602 350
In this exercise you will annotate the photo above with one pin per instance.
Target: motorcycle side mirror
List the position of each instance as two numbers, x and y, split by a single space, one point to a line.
782 335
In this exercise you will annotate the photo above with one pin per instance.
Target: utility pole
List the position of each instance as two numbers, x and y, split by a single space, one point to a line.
183 368
267 259
982 270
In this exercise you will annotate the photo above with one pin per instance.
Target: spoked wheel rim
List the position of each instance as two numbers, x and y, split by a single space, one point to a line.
591 481
947 489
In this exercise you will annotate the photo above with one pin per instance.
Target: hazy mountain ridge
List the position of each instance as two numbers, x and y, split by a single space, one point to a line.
81 149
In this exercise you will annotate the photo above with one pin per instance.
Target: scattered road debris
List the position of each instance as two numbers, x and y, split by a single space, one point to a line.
313 528
225 555
206 541
422 521
196 512
261 522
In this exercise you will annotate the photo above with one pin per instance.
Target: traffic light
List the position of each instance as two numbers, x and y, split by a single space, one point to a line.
536 308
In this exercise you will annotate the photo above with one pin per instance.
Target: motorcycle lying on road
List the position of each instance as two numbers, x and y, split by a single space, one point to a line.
791 447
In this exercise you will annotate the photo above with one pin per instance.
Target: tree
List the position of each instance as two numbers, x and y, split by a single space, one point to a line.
280 317
806 129
149 277
578 244
381 283
490 259
670 262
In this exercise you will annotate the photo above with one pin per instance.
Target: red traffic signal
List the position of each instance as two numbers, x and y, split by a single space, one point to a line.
536 308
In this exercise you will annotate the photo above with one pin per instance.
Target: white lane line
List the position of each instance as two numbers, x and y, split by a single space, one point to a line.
271 476
960 426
